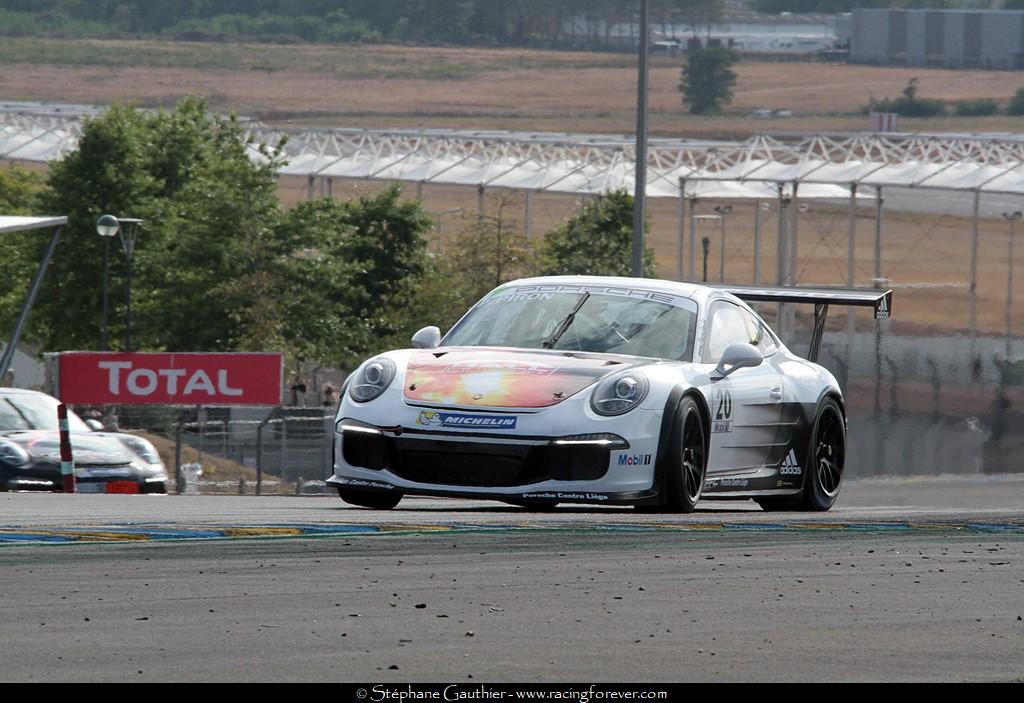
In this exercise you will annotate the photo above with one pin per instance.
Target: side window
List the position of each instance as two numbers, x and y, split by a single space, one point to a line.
728 325
760 337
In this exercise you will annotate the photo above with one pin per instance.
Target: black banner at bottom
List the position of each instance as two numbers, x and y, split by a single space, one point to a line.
507 693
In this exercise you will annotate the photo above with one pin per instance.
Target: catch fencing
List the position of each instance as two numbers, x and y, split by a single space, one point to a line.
283 448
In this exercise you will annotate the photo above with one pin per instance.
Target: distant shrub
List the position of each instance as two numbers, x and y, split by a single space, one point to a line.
977 108
279 29
909 105
1017 103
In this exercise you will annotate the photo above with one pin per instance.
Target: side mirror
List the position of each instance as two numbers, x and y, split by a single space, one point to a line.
427 338
94 425
737 356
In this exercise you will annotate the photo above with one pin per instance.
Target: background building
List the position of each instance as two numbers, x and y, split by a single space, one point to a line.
941 38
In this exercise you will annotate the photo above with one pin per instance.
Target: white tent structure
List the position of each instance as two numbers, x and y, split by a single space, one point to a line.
852 168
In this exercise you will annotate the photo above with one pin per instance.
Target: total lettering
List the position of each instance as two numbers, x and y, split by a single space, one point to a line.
145 382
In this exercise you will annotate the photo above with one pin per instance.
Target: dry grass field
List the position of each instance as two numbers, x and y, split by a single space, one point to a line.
388 86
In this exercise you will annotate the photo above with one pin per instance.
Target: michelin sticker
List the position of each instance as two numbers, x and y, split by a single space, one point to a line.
473 422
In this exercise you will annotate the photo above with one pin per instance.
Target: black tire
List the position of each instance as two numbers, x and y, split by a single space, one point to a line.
826 458
688 461
373 501
774 505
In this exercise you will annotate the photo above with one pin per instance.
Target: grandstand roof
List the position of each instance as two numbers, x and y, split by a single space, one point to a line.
823 166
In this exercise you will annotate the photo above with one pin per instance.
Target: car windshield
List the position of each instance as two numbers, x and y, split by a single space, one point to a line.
611 320
34 412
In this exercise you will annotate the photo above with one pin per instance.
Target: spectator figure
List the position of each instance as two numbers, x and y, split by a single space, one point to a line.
330 396
109 419
299 388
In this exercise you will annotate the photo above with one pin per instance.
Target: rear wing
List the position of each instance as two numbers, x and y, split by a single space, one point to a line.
821 298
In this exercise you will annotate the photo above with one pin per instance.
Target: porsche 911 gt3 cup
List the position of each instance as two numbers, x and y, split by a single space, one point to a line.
603 391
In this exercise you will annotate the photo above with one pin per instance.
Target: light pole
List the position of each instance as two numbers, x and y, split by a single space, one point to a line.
1012 218
107 227
706 241
640 191
723 210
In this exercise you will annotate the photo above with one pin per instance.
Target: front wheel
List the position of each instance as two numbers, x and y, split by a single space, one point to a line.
826 458
373 501
689 458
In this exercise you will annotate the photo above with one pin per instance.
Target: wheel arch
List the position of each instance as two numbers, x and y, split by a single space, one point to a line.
837 396
675 398
705 411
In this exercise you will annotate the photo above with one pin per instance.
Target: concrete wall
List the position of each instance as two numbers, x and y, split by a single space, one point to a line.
916 31
951 38
1001 40
935 37
954 40
870 41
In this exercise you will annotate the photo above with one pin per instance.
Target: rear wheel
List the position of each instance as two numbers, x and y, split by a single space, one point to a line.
825 464
373 501
689 458
826 459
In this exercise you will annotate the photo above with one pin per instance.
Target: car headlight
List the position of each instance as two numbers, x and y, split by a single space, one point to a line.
141 447
619 394
12 453
372 379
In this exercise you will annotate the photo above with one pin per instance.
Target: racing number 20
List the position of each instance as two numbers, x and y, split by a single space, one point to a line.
723 401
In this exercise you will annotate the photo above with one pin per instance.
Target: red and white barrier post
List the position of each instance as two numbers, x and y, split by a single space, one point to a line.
67 461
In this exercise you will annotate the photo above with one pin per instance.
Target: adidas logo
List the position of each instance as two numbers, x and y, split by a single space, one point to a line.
882 313
790 466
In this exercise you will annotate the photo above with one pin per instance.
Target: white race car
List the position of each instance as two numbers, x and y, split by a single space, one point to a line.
604 391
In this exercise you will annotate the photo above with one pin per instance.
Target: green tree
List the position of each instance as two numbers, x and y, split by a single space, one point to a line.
708 80
210 211
909 104
107 173
20 192
1016 106
360 278
487 252
596 242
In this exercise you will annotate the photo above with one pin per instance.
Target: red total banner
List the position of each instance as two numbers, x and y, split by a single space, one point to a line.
170 379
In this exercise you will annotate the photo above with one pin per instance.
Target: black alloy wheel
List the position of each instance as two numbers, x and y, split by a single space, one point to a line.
689 458
827 458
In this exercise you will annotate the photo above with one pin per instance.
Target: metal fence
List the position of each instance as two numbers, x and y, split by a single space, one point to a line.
280 447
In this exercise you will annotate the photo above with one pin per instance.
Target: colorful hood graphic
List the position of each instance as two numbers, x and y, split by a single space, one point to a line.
500 378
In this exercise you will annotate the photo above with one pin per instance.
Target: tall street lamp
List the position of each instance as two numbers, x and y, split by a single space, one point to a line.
1012 218
724 211
109 227
640 192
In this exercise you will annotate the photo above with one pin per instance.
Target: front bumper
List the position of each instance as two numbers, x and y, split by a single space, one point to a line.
103 479
550 456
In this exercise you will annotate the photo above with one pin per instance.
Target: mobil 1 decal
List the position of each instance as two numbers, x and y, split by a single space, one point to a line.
721 411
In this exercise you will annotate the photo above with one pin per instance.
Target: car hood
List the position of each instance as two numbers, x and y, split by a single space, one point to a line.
503 378
86 449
